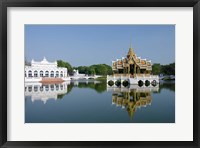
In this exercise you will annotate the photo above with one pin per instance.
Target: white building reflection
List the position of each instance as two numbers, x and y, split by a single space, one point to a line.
76 83
44 92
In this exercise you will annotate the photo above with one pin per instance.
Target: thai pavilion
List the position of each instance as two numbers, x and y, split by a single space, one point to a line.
132 69
45 71
131 65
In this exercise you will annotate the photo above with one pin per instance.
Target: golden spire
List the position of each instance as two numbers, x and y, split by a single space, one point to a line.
131 43
131 51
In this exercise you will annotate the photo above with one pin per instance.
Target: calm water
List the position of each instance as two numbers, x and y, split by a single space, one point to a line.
94 102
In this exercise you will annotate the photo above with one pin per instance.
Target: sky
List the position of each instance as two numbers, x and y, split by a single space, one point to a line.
84 45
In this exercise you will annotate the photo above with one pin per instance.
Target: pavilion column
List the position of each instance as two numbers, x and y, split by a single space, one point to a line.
128 96
134 96
124 70
138 70
129 69
134 69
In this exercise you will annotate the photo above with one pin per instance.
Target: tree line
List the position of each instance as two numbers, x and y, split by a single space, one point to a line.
168 69
103 69
98 69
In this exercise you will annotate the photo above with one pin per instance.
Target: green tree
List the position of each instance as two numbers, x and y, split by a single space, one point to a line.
92 71
156 68
83 69
62 63
99 69
27 63
168 69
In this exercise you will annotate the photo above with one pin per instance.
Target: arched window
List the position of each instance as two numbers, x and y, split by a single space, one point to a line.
52 73
46 73
61 87
41 88
35 73
52 87
29 88
61 74
57 74
41 73
29 73
57 87
47 88
35 88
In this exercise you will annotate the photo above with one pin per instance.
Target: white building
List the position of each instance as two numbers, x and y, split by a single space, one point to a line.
77 74
44 69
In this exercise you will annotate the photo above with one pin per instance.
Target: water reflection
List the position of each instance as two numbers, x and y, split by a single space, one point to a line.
98 86
133 97
44 92
39 91
170 85
91 101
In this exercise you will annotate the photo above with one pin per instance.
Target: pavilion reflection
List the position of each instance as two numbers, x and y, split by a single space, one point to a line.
44 92
132 98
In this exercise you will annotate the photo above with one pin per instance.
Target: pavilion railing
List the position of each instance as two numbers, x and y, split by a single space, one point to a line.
132 76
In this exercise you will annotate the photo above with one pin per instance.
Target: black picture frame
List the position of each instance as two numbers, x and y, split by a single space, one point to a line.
4 4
